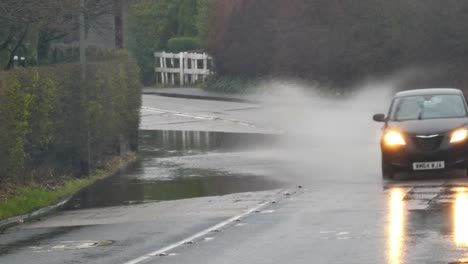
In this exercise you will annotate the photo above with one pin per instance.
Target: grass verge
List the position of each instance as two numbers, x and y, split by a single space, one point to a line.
33 196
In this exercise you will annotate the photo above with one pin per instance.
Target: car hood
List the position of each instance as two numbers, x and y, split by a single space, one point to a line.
428 126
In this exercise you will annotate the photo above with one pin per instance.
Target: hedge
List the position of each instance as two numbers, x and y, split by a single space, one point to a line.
230 84
52 122
180 44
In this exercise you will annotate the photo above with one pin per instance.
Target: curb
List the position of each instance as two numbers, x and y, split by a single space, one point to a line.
17 220
203 97
48 210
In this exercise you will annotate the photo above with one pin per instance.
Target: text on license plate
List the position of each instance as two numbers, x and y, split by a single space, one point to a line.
436 165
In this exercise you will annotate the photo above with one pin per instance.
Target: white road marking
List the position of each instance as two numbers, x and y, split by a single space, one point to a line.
197 235
206 117
72 245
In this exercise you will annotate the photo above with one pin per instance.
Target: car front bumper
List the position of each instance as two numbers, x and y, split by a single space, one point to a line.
403 158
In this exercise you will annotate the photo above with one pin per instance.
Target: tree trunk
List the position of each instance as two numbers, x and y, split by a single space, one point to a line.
18 44
43 49
118 24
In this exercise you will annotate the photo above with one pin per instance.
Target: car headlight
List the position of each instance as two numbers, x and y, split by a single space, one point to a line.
459 135
394 138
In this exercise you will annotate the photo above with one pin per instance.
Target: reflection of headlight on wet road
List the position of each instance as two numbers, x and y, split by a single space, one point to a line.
396 228
461 218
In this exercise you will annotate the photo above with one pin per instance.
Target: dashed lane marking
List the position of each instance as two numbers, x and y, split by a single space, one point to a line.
198 235
213 229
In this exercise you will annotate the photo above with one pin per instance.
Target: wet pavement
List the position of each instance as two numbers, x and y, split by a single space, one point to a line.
334 206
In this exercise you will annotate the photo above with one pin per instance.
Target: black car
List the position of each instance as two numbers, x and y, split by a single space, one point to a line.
425 129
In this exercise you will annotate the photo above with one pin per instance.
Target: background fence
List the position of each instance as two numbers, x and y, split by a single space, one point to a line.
182 68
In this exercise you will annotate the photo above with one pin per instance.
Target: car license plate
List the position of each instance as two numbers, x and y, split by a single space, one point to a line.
436 165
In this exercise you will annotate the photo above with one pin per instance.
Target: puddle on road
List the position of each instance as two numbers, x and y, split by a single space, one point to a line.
124 190
150 180
173 143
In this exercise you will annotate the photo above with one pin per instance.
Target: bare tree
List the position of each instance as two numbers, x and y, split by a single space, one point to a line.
118 24
52 19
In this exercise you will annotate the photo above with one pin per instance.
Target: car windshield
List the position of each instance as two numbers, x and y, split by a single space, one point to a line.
427 107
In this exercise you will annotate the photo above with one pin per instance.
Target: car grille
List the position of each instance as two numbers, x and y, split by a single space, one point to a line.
428 144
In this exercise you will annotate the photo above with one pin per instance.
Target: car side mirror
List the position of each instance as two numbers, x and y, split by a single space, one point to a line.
379 118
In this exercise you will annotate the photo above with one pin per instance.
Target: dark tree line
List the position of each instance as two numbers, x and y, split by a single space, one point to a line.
31 26
337 40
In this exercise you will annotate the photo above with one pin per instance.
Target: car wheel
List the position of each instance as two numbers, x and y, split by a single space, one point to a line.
388 171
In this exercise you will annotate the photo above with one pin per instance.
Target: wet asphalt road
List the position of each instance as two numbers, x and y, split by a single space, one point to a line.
342 213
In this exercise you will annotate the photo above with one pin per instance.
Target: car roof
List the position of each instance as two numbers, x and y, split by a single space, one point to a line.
429 92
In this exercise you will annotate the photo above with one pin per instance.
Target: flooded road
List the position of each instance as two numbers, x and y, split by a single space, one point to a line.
212 197
156 177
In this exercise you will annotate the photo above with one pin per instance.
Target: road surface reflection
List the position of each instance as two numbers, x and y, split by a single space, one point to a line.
420 212
460 217
396 226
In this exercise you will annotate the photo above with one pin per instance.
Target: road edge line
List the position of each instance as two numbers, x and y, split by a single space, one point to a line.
197 235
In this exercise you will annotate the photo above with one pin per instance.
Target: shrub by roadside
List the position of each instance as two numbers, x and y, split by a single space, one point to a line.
52 123
180 44
230 84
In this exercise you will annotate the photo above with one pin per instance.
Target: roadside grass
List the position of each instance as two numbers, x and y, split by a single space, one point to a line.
34 196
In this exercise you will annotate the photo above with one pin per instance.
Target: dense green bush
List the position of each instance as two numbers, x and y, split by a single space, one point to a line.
186 18
14 117
180 44
71 53
205 20
53 122
230 84
152 23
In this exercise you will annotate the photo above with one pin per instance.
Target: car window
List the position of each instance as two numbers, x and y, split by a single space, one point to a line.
428 107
